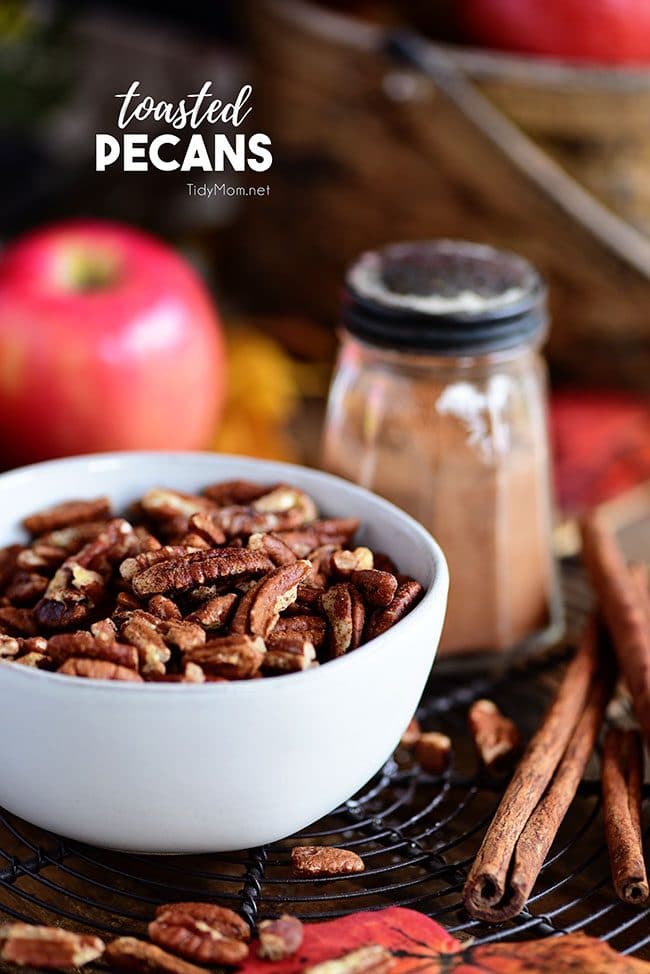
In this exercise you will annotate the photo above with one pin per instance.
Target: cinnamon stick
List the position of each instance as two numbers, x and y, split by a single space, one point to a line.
541 828
622 777
486 884
624 609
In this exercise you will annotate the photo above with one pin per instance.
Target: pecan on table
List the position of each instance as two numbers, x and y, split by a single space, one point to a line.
130 954
201 932
433 752
280 938
411 734
318 861
47 948
371 959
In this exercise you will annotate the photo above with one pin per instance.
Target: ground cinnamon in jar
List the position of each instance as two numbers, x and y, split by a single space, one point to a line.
438 403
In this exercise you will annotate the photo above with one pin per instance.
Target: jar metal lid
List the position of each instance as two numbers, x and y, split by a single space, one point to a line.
450 297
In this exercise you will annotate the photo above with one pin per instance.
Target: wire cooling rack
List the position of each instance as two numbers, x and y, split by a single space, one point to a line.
417 835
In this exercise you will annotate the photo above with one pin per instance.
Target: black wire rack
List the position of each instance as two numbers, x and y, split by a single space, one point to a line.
417 835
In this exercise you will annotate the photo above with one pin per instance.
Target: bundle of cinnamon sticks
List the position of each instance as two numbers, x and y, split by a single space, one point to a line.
547 778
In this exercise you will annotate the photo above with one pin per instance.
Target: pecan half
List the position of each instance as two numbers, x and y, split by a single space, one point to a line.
346 562
233 657
495 736
39 661
71 539
194 541
104 631
9 647
294 507
240 492
26 588
322 560
97 669
129 954
182 573
407 595
162 504
273 594
433 752
310 591
215 613
372 959
411 734
19 622
47 948
185 635
273 547
9 556
280 938
83 645
289 655
131 567
79 584
321 860
201 932
328 532
66 514
345 613
207 526
141 630
192 673
164 608
305 627
377 588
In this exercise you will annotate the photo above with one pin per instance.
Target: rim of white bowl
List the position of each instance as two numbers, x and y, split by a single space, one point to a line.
359 657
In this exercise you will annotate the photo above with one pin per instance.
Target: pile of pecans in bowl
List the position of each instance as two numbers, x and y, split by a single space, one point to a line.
239 582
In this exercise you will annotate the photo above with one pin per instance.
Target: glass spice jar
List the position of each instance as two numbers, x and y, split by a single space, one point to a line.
438 402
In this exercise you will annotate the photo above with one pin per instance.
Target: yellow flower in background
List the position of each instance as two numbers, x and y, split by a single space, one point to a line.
263 395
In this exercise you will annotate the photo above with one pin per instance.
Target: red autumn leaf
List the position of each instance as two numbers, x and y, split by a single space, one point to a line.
413 938
420 945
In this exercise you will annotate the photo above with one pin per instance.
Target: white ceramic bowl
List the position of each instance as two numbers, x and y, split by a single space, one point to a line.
207 768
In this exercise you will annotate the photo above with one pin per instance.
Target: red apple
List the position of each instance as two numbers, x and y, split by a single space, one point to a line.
605 31
108 341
